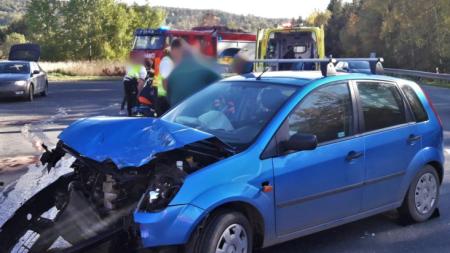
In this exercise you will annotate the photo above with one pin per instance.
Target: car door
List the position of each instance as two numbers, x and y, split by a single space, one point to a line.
318 186
390 138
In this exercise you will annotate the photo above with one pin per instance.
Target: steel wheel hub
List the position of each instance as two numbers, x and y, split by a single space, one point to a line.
426 193
233 240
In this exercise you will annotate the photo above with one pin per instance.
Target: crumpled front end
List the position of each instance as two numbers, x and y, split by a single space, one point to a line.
126 173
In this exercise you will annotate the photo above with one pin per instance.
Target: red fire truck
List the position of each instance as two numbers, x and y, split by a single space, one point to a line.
217 41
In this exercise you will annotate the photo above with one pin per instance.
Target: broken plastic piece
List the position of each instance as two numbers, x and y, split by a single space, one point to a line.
51 157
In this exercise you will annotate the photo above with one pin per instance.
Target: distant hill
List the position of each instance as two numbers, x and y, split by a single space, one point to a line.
10 9
178 18
181 18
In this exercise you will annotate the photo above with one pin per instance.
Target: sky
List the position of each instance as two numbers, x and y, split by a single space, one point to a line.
263 8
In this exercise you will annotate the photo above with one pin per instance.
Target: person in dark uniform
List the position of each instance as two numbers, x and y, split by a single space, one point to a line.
190 74
290 54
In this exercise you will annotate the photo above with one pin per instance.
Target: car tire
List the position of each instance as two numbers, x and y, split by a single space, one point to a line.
220 227
422 197
45 92
30 94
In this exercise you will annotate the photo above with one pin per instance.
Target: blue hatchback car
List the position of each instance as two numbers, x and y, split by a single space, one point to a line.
250 162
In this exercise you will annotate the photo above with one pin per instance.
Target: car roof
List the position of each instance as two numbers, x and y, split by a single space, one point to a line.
302 78
283 77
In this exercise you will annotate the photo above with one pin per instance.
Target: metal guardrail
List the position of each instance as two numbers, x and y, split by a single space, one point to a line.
415 73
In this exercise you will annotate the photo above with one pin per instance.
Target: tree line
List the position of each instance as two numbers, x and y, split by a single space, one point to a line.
82 29
408 34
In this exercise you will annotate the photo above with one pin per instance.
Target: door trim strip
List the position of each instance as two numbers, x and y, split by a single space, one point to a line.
340 190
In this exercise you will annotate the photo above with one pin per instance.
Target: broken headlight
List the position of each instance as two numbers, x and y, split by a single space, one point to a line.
163 186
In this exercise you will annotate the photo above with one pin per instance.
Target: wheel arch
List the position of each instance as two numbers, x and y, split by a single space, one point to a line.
31 84
253 215
439 169
251 212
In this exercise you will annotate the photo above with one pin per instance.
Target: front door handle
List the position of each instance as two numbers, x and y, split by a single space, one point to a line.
413 138
352 155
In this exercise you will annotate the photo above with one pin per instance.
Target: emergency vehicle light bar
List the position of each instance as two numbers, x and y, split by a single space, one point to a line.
327 64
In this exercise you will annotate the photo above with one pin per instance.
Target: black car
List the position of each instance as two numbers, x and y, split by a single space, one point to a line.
21 75
353 67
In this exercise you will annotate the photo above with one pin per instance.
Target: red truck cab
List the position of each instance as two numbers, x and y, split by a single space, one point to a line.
210 41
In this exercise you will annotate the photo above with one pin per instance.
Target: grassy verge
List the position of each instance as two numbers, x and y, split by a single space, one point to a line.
439 83
62 77
84 70
424 81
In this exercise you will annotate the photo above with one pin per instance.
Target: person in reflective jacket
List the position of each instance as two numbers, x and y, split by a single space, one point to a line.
133 82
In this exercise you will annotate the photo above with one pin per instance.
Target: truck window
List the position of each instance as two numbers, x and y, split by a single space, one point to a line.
149 42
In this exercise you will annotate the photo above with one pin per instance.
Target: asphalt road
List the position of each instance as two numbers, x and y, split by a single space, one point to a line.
69 101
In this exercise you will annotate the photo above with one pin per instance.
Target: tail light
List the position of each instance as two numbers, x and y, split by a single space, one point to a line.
432 106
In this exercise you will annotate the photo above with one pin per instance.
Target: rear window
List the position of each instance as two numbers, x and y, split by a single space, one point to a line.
416 106
382 105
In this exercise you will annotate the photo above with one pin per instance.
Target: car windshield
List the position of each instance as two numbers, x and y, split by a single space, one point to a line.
235 112
14 68
149 42
229 52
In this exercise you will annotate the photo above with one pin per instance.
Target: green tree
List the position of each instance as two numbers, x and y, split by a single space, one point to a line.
87 29
11 39
319 18
335 25
43 17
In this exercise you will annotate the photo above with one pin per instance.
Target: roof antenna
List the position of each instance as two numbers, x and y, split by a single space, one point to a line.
262 73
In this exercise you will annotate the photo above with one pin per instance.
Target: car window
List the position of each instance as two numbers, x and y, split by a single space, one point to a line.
326 113
14 68
382 105
416 106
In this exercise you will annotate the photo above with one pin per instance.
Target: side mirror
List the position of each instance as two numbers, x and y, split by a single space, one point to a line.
36 72
298 142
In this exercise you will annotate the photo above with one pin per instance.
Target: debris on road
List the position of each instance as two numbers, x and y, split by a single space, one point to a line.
34 133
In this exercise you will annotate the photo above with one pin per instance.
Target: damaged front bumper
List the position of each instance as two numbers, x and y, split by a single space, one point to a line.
171 226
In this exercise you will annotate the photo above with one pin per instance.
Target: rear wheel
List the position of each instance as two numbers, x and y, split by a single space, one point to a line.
422 197
225 232
45 92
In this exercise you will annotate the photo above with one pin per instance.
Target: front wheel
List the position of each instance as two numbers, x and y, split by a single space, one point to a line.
224 232
422 197
30 93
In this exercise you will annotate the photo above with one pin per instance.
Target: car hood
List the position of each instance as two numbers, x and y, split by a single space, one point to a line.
13 77
25 52
128 142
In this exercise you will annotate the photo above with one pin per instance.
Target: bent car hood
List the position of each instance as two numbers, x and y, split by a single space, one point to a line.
128 142
25 52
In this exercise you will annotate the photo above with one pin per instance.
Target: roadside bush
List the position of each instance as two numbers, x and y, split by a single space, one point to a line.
85 68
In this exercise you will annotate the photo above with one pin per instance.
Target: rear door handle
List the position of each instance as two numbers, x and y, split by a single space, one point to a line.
352 155
413 138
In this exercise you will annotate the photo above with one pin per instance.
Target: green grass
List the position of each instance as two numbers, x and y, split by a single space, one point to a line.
424 81
64 77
